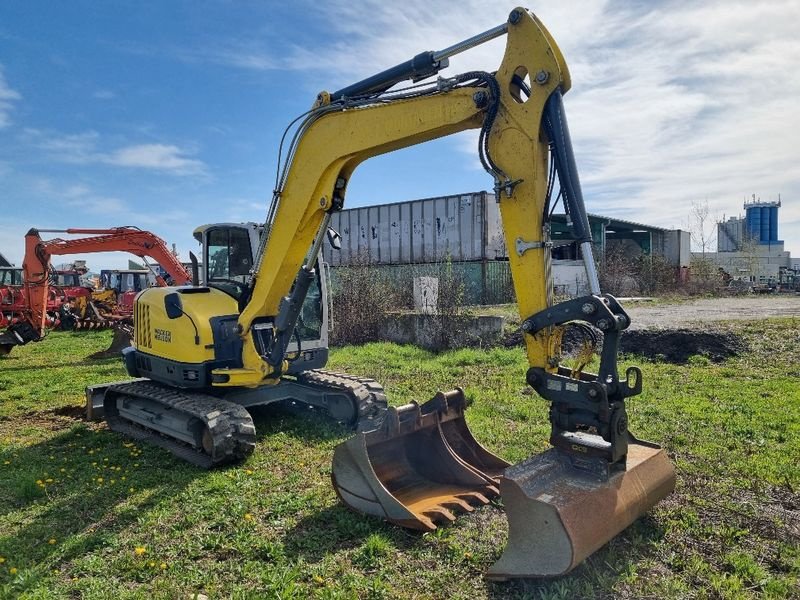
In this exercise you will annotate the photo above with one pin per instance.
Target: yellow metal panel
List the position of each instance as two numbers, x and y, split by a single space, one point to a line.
518 148
174 339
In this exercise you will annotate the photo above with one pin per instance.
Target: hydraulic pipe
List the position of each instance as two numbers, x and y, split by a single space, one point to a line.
475 40
286 321
555 122
423 65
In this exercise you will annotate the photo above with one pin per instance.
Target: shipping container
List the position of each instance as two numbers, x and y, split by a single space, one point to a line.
461 228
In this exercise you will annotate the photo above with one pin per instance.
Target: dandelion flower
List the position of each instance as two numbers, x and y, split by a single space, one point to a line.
49 480
152 563
2 559
6 462
131 490
51 541
39 482
163 566
139 550
248 517
13 570
99 480
248 471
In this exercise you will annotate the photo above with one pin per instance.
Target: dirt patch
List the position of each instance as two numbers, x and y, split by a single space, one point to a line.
673 346
73 412
677 345
53 419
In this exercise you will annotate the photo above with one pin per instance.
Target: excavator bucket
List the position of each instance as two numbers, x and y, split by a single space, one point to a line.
421 464
561 509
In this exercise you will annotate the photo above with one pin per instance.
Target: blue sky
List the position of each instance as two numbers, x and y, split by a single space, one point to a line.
167 115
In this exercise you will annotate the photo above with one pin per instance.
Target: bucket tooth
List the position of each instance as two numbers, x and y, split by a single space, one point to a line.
559 514
457 503
440 515
477 498
407 472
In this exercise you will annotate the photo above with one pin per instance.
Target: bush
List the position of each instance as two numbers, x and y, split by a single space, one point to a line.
362 298
624 274
365 296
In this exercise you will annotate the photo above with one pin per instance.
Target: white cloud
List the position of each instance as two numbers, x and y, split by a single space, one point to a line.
7 98
161 157
79 148
104 95
84 148
244 209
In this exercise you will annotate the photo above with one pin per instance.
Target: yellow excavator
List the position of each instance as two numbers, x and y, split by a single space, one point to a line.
203 354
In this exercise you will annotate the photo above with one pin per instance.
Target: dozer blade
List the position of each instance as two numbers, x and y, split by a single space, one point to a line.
558 514
121 340
421 464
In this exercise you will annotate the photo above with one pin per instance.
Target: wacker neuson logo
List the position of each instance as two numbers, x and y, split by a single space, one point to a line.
163 335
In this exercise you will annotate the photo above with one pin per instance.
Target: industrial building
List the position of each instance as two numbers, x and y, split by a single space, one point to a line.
748 247
465 229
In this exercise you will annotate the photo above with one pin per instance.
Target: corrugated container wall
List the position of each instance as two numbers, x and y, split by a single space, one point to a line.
464 227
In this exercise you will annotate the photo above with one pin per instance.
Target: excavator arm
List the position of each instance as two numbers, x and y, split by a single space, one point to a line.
37 270
350 126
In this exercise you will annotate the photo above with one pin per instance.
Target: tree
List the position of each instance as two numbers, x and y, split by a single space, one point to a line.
702 227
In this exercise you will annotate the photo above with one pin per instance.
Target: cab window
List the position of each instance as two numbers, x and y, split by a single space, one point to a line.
228 255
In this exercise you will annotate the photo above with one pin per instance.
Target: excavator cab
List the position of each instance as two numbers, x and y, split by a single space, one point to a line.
228 253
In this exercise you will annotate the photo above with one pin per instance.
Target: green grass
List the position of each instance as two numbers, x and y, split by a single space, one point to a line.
86 513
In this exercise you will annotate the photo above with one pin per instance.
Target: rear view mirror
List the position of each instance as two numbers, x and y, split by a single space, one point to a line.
173 305
334 238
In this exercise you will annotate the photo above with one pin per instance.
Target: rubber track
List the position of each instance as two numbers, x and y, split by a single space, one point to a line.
366 394
230 425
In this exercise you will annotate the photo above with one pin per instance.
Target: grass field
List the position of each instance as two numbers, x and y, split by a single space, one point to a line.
86 513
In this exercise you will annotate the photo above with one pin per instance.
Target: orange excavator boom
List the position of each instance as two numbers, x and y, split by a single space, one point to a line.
36 269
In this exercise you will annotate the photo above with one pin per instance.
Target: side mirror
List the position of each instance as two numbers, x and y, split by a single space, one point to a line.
173 305
334 238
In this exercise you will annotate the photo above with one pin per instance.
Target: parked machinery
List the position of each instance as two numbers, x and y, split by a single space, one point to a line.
32 322
206 353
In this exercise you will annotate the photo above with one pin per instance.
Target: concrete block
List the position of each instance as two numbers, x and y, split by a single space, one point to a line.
426 294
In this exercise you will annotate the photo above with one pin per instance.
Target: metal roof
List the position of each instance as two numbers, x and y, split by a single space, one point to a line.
4 262
616 224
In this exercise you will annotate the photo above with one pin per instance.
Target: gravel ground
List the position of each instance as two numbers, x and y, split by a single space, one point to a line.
697 312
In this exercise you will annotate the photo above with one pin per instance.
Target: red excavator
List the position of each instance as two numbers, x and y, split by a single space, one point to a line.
31 320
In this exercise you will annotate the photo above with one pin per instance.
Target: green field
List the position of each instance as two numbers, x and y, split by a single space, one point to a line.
86 513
